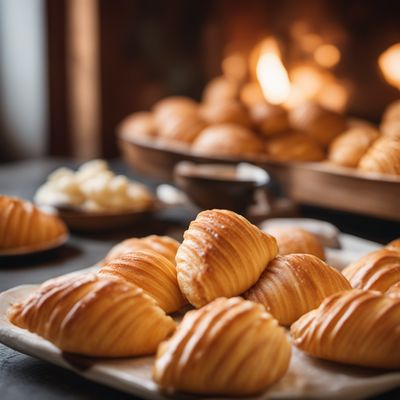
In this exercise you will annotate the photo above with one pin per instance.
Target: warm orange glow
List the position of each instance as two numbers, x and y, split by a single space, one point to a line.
271 73
334 96
389 62
234 67
327 55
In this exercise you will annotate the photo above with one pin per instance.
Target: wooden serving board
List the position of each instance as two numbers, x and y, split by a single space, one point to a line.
319 184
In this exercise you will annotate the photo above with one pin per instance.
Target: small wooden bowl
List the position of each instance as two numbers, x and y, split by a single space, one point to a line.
219 185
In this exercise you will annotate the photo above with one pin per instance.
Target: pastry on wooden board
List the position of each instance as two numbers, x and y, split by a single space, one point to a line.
92 316
229 347
152 272
356 327
378 270
227 140
222 255
163 245
294 284
24 226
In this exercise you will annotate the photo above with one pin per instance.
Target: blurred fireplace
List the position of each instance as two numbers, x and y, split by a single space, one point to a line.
135 52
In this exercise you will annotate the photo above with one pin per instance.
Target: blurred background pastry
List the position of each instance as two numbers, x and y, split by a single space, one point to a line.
225 112
269 119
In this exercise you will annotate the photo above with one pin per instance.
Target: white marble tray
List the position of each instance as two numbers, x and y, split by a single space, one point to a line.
306 377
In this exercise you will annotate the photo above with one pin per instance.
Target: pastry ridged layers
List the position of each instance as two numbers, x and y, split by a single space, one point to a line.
88 315
294 284
378 270
162 245
353 327
222 255
229 347
22 225
152 272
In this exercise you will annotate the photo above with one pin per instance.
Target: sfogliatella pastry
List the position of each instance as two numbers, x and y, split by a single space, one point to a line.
376 271
152 272
140 125
348 148
225 112
229 347
321 124
24 226
221 89
173 106
293 146
383 157
353 327
222 254
394 245
394 290
163 245
294 284
227 140
292 239
92 316
269 119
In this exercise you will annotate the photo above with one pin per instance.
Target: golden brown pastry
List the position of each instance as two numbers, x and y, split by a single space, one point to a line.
152 272
269 119
24 226
229 347
162 245
352 327
293 146
222 254
227 140
383 157
226 113
348 148
394 290
394 245
376 271
221 89
93 316
294 284
292 239
391 128
321 124
173 106
140 125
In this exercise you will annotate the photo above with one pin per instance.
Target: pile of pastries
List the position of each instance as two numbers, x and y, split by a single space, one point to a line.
93 188
244 287
234 120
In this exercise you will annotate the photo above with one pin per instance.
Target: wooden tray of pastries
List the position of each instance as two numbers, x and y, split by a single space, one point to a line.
160 319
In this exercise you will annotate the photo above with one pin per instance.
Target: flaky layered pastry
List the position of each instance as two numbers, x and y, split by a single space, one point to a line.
292 239
394 245
383 157
163 245
229 347
227 140
222 254
152 272
376 271
93 316
22 225
294 284
394 290
352 327
348 148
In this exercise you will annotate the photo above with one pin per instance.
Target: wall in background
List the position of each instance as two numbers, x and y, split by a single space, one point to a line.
23 93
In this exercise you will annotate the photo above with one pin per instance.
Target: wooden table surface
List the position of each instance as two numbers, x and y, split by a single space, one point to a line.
21 376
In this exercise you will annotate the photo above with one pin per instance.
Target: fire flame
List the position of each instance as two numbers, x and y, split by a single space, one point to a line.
389 62
271 73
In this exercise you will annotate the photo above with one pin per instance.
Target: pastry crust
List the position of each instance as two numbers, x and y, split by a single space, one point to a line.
394 245
348 148
226 112
89 315
383 157
152 272
222 254
376 271
227 140
321 124
352 327
163 245
292 239
394 290
269 119
24 226
293 146
294 284
140 125
229 347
